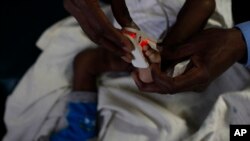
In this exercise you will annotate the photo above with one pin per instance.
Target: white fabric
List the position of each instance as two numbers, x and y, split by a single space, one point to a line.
29 113
136 116
37 104
151 19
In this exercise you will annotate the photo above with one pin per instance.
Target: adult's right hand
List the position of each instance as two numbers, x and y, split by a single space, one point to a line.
211 53
98 28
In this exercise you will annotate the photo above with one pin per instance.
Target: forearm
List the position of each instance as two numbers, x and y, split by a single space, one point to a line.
121 14
190 20
93 8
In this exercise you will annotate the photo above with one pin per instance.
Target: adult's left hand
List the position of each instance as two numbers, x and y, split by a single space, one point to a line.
99 29
211 53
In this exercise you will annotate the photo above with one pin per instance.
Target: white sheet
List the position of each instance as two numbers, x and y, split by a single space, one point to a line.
38 104
150 117
29 113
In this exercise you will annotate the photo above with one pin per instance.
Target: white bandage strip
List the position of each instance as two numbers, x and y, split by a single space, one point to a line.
140 61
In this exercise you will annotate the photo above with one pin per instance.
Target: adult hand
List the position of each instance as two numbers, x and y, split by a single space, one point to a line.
98 28
211 53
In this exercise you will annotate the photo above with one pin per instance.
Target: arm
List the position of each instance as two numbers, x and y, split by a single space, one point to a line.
211 53
121 14
190 20
97 26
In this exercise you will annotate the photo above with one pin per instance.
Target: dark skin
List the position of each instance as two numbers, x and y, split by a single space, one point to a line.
190 20
91 63
122 14
183 28
98 28
101 31
211 53
202 69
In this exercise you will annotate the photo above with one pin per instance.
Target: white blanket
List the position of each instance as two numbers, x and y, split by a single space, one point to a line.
37 105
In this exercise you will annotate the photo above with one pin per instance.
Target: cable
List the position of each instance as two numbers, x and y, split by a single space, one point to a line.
167 20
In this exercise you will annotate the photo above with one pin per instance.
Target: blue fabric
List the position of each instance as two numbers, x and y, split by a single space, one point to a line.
81 123
8 85
245 29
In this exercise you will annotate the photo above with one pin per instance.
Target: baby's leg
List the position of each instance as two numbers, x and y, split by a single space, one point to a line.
82 101
91 63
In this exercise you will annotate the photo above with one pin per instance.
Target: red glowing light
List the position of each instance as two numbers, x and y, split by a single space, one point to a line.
132 35
144 43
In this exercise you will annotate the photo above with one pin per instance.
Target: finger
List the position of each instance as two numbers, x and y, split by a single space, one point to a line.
85 23
192 79
186 82
149 52
129 48
183 51
101 25
145 48
160 77
148 87
96 36
138 82
113 34
151 55
155 58
127 58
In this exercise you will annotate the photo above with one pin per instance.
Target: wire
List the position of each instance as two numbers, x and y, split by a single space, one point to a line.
167 20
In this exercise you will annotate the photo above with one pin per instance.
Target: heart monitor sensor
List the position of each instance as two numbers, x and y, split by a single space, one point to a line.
139 40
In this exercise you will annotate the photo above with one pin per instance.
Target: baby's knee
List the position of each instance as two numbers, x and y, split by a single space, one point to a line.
208 5
84 56
85 70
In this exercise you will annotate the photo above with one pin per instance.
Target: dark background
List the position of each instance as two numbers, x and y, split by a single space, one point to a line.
22 23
